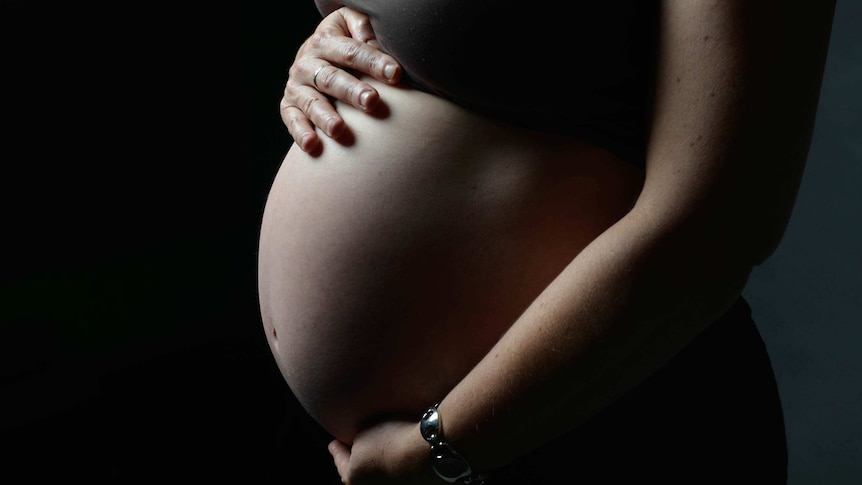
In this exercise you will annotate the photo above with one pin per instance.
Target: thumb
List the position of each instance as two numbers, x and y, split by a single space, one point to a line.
341 456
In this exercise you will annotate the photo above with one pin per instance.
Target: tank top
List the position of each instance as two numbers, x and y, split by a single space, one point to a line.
574 68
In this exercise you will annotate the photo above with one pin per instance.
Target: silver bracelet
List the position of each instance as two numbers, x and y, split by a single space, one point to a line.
446 462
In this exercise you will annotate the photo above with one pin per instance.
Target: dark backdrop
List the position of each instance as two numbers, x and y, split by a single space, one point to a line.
807 298
138 146
138 143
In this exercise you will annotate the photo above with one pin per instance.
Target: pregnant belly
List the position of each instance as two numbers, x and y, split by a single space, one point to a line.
390 263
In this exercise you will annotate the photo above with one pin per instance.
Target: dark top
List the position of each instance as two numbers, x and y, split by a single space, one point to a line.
579 68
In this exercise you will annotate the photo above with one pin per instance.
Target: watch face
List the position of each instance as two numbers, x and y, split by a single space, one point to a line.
448 464
451 467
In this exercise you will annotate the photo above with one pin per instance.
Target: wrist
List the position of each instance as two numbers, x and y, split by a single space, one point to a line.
412 456
448 464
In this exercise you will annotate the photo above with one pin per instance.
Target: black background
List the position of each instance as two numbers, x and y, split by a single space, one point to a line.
138 143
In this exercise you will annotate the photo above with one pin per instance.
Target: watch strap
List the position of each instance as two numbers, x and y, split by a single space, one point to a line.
447 463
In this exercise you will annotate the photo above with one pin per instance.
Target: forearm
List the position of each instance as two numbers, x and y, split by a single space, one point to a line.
623 307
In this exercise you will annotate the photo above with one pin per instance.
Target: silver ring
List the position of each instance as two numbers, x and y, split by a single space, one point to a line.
314 79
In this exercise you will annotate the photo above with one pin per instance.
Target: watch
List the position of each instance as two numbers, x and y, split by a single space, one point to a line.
447 463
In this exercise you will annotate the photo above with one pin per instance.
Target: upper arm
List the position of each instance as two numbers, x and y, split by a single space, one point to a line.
735 95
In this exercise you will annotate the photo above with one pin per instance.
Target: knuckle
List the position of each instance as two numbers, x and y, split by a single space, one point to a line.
309 104
376 63
294 125
297 127
351 52
295 76
317 39
353 90
290 89
293 71
325 78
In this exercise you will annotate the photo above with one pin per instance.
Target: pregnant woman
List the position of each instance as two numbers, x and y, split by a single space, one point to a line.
524 261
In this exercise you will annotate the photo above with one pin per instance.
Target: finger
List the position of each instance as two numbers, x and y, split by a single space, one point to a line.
315 108
300 129
332 41
344 86
359 25
341 457
319 75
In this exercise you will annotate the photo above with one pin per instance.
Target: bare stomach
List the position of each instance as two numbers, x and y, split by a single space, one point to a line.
390 263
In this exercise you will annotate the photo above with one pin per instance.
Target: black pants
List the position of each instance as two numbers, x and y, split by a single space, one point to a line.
711 415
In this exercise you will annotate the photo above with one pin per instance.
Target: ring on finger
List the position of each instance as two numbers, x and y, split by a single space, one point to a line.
314 79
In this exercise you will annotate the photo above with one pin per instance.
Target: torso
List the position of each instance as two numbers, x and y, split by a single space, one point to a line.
389 265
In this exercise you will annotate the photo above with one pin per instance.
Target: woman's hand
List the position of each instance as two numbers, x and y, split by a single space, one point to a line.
343 40
391 452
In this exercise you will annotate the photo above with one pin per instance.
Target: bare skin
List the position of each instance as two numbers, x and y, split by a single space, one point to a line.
432 222
736 94
343 40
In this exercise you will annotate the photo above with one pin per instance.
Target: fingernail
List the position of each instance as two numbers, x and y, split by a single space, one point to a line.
389 70
363 99
303 141
334 128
